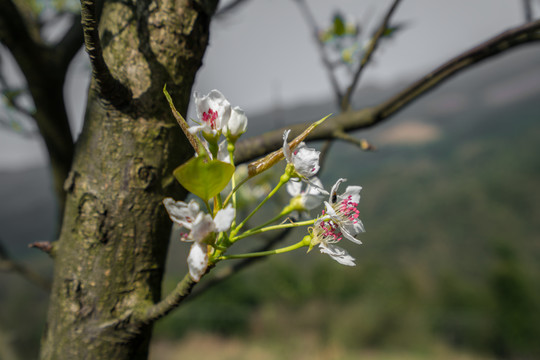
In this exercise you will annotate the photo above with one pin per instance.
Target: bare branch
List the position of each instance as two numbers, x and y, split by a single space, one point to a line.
306 12
227 8
363 144
70 44
7 264
346 100
257 146
527 9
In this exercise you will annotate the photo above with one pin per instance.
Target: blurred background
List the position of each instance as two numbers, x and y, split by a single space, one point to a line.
449 266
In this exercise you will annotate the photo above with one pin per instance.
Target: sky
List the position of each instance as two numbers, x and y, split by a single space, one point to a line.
262 56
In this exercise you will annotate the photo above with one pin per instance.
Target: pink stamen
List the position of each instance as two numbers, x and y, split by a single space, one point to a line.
210 117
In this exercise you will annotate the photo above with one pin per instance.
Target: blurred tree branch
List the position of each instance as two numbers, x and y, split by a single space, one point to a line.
373 44
306 12
527 9
249 149
44 67
7 264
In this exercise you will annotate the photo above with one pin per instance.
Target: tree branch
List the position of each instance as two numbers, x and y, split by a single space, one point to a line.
45 80
7 264
306 12
527 10
169 303
70 43
346 100
257 146
111 89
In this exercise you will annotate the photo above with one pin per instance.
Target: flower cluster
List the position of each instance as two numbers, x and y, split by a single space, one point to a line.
207 175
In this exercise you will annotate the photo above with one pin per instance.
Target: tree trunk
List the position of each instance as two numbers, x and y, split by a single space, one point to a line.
110 257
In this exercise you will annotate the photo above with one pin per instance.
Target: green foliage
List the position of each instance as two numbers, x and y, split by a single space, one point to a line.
204 178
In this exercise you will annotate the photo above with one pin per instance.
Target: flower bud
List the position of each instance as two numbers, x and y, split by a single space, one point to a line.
236 125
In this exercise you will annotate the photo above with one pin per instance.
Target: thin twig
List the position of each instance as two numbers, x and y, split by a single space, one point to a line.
373 44
8 264
527 9
361 143
227 8
306 12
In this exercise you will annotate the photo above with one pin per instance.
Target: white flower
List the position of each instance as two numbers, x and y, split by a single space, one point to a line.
339 254
236 125
326 233
197 260
213 111
203 230
341 209
201 224
304 159
181 213
340 219
309 197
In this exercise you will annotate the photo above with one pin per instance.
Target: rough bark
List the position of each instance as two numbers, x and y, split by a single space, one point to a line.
109 260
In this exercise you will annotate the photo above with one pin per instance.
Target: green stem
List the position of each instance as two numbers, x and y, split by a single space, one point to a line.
287 210
282 180
298 245
234 190
270 228
230 148
208 207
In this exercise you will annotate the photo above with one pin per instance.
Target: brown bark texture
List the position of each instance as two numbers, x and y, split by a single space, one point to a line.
109 259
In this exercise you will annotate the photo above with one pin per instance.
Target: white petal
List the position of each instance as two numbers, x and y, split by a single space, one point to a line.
330 210
181 213
314 187
224 218
237 124
197 260
218 103
203 226
286 147
196 128
223 153
306 161
333 192
294 187
346 231
353 192
310 202
337 253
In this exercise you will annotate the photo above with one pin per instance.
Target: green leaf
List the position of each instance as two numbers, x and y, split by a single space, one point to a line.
339 25
204 178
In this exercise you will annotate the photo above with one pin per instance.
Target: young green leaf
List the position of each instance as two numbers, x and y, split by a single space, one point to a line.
204 178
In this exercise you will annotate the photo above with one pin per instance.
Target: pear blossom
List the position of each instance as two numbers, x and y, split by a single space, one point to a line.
304 159
236 125
203 230
306 196
326 233
197 260
200 224
342 210
213 111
